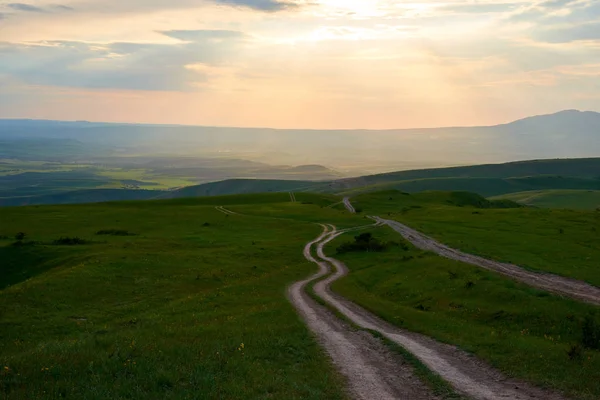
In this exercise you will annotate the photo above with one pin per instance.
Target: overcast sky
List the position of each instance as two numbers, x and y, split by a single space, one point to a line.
298 63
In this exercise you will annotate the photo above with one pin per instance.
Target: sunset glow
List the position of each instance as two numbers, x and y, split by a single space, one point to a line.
325 64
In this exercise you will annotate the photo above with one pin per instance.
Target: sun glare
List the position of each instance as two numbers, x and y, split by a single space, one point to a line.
356 8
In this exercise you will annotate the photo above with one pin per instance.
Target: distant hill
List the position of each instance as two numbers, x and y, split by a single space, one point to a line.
244 186
566 134
484 180
573 199
81 196
553 172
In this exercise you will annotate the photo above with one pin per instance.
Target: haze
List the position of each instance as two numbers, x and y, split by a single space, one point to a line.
298 64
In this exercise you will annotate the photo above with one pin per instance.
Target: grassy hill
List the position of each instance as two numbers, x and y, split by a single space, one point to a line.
575 199
164 299
483 186
563 242
81 196
242 186
486 180
175 299
577 167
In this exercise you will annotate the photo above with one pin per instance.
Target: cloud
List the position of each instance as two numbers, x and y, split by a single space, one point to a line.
25 7
197 35
478 8
588 31
121 65
262 5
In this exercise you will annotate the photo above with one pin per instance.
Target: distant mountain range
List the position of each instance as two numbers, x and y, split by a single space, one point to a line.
566 134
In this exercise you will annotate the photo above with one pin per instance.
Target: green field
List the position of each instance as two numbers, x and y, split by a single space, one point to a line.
175 299
564 242
522 331
573 199
191 305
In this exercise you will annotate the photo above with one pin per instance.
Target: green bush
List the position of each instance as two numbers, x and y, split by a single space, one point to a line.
69 241
115 232
366 242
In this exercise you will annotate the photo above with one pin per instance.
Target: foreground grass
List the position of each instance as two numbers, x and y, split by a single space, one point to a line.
191 304
564 242
522 331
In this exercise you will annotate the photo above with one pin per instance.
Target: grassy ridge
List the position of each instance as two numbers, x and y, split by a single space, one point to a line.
573 199
522 331
564 242
483 186
190 305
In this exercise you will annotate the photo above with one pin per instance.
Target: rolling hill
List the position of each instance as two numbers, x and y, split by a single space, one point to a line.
486 180
573 199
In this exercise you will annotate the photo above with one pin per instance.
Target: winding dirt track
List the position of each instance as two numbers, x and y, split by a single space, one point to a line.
553 283
371 370
349 205
367 375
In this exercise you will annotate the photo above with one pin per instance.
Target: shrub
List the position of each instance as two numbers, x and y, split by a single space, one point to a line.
115 232
69 241
20 236
366 242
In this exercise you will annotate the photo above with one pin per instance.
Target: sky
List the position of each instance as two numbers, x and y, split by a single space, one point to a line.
322 64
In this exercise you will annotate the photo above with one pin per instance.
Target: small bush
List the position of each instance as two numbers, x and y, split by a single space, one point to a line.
20 236
69 241
115 232
366 242
590 333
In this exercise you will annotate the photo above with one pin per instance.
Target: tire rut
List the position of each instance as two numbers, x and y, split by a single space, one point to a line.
371 369
467 374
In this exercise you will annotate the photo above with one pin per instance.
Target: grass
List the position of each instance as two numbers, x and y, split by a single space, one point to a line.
155 299
485 186
436 384
573 199
193 306
563 242
524 332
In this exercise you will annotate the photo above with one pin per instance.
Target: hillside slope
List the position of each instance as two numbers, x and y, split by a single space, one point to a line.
574 199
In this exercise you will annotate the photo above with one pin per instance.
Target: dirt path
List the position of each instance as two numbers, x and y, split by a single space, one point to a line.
553 283
465 373
349 205
225 211
292 197
573 288
371 370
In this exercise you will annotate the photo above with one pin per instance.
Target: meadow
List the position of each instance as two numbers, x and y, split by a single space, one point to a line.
167 299
526 333
560 241
176 299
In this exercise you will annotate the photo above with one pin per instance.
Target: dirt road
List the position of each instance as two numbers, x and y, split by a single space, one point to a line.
371 370
465 373
568 287
349 205
553 283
